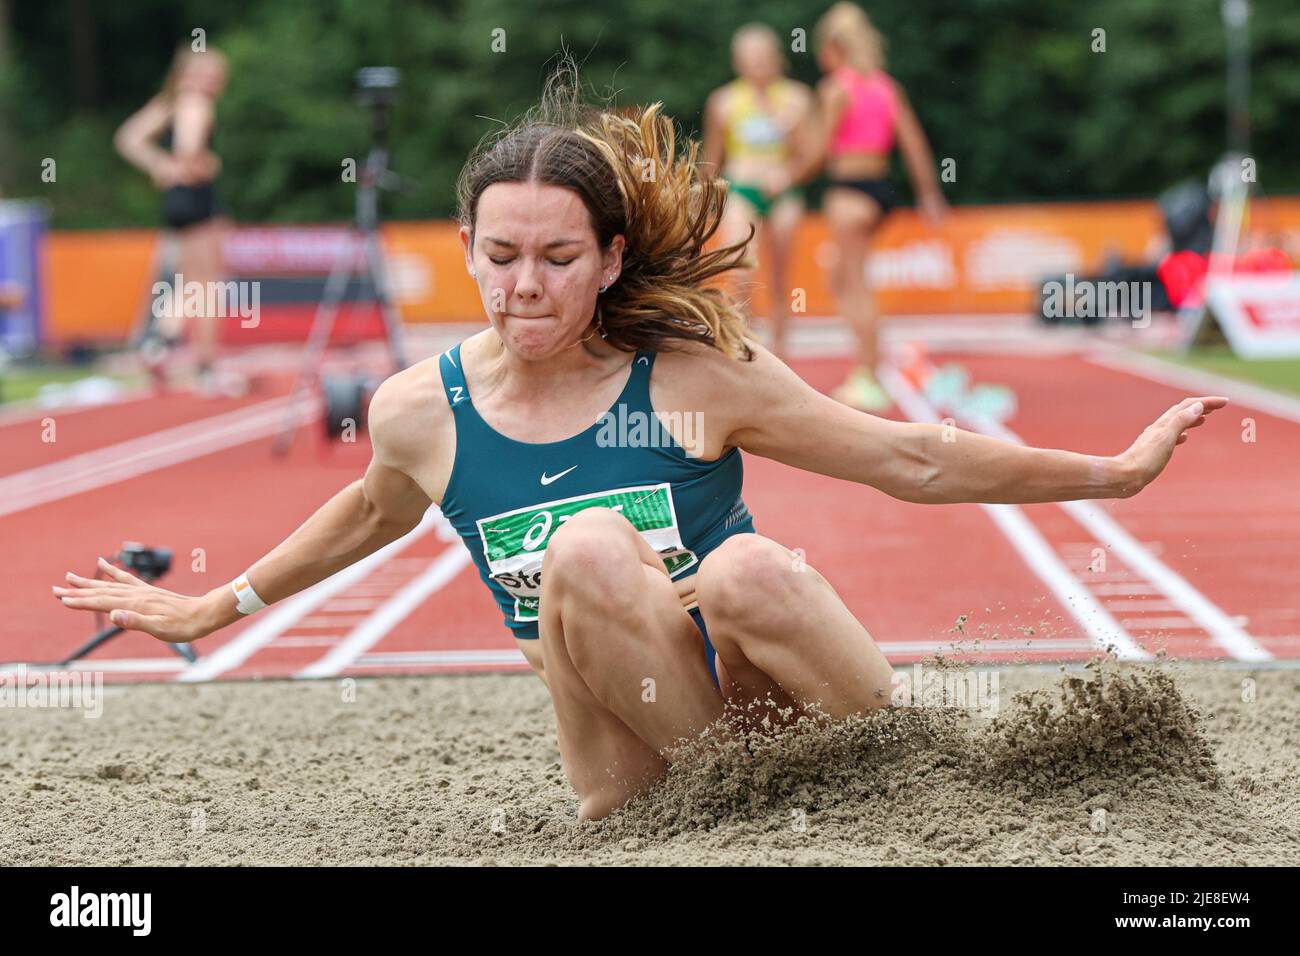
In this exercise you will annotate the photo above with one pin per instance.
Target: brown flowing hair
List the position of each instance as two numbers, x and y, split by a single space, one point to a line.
625 166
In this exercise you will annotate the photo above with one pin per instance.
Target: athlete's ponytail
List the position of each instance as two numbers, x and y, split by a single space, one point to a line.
628 171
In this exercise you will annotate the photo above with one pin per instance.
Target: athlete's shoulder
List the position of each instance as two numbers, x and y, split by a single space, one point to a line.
831 88
731 391
409 412
708 374
719 101
796 89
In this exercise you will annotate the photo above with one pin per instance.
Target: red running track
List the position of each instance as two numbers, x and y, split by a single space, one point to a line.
1219 518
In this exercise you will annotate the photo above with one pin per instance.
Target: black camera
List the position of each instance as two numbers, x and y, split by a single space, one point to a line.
377 91
147 563
377 85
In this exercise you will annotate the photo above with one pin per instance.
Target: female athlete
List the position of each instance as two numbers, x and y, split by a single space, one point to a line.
586 446
863 113
757 130
168 138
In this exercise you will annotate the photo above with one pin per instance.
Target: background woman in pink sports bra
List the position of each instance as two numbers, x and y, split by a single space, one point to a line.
864 112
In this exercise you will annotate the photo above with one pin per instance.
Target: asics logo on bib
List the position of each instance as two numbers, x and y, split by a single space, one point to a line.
514 543
547 479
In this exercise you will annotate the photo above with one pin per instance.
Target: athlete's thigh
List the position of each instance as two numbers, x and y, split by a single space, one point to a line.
742 684
851 213
813 629
783 223
737 218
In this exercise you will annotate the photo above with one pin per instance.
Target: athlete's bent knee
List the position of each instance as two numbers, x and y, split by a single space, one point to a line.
590 548
747 577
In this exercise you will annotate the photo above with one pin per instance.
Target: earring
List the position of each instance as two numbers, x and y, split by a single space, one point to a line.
609 281
600 327
473 274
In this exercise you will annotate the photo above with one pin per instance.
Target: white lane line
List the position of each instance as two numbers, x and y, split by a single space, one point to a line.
108 455
416 658
1162 624
278 618
1128 589
501 659
109 665
1139 605
331 622
393 611
1104 631
511 656
322 640
1197 381
138 456
351 603
1221 628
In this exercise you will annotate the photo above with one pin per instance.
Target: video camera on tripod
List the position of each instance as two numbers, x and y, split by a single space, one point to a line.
346 397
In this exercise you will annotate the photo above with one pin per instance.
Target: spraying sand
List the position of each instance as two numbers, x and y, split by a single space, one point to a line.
1184 764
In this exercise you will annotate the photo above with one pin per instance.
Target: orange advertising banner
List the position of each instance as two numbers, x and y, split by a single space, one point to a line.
982 259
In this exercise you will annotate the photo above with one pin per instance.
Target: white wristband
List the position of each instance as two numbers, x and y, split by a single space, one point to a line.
246 599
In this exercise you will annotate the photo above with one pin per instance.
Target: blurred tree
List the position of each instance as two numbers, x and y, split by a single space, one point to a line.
1013 90
7 158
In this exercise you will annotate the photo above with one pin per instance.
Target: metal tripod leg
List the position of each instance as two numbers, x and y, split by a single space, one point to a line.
184 650
321 327
383 292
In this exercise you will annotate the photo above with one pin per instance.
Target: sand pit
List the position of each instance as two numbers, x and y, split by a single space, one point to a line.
1187 764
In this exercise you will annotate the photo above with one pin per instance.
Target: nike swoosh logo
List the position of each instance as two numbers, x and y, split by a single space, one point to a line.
547 480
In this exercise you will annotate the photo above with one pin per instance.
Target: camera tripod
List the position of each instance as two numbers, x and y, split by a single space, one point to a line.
363 256
149 564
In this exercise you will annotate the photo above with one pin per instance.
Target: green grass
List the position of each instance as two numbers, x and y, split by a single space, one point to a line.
23 382
1282 374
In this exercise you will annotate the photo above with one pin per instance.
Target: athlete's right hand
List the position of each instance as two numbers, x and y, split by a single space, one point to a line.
137 605
170 170
165 172
935 208
776 182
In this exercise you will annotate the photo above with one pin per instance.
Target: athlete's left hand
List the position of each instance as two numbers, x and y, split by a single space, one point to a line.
137 605
1147 456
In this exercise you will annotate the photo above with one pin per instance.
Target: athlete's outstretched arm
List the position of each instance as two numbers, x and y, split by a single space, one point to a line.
774 413
366 515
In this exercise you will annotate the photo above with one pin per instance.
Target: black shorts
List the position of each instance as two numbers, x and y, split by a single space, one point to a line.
878 189
185 206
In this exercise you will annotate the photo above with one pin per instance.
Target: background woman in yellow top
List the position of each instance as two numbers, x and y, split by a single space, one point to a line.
756 133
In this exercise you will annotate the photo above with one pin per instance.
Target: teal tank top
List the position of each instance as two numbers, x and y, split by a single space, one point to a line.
506 498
